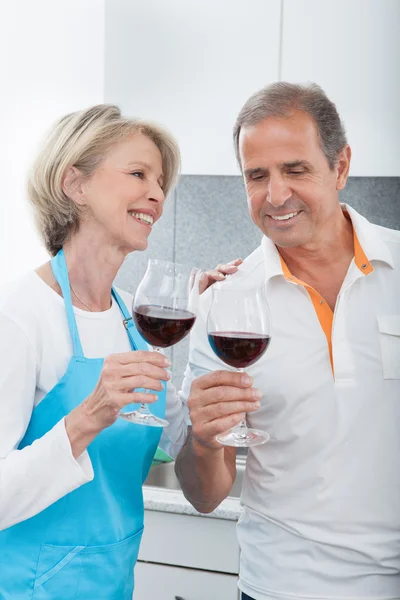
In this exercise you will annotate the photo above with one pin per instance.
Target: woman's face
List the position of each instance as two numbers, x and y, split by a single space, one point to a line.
124 197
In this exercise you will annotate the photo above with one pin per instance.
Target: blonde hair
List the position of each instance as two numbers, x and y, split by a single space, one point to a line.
82 139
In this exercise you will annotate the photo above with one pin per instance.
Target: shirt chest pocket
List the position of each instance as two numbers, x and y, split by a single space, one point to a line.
389 334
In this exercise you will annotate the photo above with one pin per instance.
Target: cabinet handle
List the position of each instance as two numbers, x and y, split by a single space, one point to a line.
179 598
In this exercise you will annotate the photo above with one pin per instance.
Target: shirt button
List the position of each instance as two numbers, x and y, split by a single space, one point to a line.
321 301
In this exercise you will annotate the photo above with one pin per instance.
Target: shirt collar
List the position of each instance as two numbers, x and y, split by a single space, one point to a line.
371 244
368 246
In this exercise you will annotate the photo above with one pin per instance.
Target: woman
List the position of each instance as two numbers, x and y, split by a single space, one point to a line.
71 507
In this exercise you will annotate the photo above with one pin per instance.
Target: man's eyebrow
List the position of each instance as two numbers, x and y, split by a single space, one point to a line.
257 171
295 163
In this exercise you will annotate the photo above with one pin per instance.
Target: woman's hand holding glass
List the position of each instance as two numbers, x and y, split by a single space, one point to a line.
115 389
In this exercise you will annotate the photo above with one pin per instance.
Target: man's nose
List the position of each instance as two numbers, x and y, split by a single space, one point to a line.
278 191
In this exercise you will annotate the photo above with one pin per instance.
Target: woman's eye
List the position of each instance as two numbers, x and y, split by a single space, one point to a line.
139 174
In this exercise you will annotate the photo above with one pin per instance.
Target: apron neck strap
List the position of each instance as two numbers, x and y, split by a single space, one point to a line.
136 340
60 272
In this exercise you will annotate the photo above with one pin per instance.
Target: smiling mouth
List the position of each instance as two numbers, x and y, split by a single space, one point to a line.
144 218
286 217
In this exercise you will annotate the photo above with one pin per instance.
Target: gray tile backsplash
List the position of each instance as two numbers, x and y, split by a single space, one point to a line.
206 222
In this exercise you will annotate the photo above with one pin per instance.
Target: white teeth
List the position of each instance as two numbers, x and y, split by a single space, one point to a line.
142 217
285 217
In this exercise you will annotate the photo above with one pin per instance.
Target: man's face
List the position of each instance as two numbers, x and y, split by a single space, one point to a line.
292 193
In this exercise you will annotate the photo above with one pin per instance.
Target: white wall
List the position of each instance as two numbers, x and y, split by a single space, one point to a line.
191 65
352 49
52 63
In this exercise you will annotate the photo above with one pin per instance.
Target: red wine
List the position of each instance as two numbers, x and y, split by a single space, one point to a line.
161 326
238 349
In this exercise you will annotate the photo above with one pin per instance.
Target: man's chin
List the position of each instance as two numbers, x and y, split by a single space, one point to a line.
285 240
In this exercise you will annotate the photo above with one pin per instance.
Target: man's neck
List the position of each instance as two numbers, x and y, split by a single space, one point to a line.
323 264
335 246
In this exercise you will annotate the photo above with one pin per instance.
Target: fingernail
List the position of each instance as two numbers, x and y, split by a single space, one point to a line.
257 404
221 275
257 394
167 362
246 380
168 376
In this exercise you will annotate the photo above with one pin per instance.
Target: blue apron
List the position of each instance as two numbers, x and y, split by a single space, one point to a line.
85 545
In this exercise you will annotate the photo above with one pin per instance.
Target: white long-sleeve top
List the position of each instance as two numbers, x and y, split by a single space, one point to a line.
35 350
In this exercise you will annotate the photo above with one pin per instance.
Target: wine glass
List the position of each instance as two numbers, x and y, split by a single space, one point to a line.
164 311
239 332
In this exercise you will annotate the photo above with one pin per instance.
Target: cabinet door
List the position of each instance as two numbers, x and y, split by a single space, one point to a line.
188 541
161 582
191 66
351 49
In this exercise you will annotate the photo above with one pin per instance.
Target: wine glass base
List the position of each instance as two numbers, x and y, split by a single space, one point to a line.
141 418
238 439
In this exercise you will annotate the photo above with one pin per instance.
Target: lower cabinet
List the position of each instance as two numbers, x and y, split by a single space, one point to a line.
165 582
187 557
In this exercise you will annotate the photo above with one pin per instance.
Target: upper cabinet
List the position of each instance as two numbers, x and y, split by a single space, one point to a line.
352 49
191 65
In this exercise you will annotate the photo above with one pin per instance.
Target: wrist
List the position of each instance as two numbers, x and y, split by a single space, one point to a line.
80 429
203 449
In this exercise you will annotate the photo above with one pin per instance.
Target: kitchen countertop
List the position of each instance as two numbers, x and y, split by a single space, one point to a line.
173 501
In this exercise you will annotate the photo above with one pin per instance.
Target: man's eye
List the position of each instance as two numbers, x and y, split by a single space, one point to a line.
258 177
295 172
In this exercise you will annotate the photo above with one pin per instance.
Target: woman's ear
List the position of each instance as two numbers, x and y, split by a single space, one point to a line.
72 186
343 167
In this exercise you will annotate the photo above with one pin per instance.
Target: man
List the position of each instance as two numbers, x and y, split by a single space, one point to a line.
322 498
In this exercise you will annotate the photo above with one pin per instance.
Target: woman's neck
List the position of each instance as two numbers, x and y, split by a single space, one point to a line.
92 268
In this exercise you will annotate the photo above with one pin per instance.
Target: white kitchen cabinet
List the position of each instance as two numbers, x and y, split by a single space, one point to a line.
352 49
159 582
187 556
191 66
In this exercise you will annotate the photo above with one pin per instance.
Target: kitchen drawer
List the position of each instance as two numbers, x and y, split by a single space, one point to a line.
190 541
162 582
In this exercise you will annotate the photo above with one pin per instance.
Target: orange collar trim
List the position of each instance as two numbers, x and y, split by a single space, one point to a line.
360 259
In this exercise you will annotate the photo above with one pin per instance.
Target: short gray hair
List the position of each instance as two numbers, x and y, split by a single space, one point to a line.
281 99
82 139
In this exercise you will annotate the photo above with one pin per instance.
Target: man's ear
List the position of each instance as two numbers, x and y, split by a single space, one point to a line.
72 186
343 167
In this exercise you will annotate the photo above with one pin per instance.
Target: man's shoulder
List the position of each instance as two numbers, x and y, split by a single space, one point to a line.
388 235
252 268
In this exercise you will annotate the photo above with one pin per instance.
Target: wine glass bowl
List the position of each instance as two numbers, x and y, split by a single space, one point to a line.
239 332
164 311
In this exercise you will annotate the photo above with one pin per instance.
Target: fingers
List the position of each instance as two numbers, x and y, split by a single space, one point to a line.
135 398
143 369
138 356
140 381
209 430
219 273
222 377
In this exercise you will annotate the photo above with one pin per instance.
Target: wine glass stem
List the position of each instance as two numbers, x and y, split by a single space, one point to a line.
144 408
241 428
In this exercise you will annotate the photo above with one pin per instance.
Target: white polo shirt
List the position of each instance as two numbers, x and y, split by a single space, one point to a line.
322 498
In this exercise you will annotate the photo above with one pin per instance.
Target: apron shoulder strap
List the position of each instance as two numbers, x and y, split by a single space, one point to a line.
136 340
60 272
